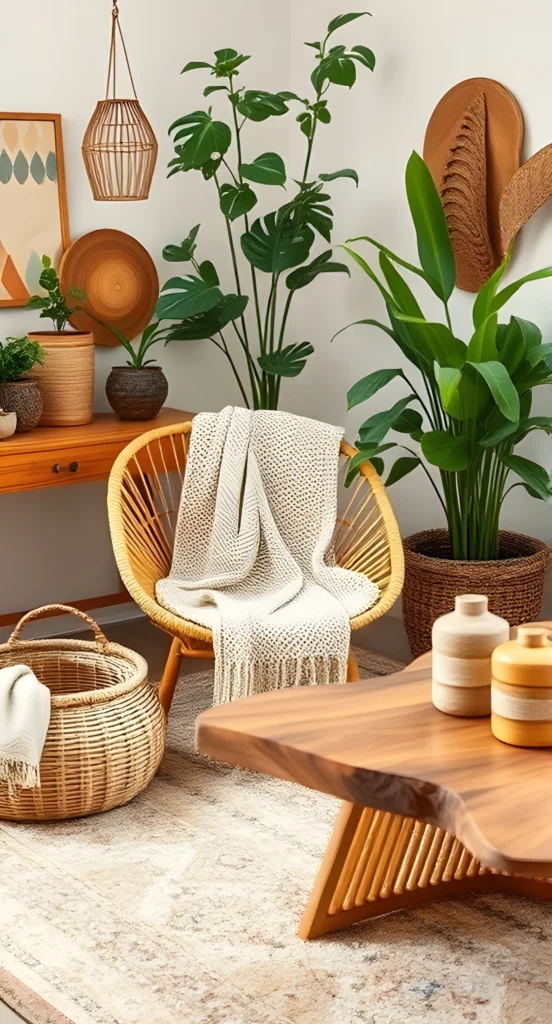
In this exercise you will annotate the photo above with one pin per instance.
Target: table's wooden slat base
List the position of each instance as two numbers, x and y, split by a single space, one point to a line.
378 862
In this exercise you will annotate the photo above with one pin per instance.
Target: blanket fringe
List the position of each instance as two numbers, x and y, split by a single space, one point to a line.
244 678
19 775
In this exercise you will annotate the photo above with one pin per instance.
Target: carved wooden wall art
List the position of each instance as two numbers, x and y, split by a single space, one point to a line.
473 147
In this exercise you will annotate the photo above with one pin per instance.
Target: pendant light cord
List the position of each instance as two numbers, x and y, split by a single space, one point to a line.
112 69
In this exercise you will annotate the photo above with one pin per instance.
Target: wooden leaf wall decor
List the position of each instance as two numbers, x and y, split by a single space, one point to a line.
473 149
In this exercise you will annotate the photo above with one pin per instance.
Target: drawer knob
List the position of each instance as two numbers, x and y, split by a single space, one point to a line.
56 468
73 466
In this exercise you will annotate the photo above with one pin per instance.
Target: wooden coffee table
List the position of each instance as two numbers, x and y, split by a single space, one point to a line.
435 806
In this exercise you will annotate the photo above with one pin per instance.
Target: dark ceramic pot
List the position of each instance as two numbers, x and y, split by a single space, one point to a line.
136 394
22 397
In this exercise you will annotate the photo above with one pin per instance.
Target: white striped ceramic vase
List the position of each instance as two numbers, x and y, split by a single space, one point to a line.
463 642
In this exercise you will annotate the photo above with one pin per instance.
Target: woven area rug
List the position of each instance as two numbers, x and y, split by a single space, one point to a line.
182 908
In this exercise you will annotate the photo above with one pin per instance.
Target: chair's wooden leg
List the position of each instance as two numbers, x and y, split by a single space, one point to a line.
170 675
352 668
378 862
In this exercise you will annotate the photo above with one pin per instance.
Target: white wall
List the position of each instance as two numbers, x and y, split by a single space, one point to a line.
55 544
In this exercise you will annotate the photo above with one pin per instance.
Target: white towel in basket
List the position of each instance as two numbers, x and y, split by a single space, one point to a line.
24 720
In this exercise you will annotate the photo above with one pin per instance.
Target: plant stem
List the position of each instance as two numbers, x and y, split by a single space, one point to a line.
237 129
224 348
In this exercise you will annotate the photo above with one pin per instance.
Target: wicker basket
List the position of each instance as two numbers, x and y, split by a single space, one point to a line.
514 582
107 731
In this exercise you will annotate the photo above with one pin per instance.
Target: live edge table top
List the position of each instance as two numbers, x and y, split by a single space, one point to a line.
380 743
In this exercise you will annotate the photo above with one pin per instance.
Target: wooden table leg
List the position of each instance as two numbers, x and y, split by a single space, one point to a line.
378 862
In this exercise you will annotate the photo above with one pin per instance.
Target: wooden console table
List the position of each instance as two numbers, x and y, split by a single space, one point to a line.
60 456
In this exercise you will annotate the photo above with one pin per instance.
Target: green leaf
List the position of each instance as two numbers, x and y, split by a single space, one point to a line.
208 273
338 69
274 244
482 305
315 46
346 172
257 105
501 387
539 354
401 468
267 169
531 473
184 252
227 62
236 200
439 339
511 344
210 168
214 88
494 437
344 19
46 262
378 465
193 65
448 379
511 289
391 255
307 124
205 325
409 422
76 293
182 297
361 457
321 265
434 244
323 115
288 362
204 138
445 451
371 323
374 429
482 344
365 56
403 296
368 386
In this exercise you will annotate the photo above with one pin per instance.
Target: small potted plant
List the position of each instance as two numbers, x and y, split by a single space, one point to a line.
466 408
19 394
137 391
67 380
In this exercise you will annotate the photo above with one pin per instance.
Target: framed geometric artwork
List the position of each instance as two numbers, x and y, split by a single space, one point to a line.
33 202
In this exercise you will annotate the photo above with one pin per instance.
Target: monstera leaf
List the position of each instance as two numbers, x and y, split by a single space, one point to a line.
205 325
204 137
274 243
288 362
182 297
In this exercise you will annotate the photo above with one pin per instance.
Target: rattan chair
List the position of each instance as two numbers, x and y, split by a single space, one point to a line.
143 499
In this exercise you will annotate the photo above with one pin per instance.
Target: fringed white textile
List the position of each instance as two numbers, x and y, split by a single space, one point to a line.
253 558
24 720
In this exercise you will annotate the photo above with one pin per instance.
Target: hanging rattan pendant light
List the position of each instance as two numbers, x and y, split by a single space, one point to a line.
119 147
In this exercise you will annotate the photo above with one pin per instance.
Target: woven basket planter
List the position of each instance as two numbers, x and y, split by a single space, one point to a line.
514 582
66 380
107 731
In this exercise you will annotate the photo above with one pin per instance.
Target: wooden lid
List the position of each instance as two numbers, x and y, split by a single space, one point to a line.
525 661
119 279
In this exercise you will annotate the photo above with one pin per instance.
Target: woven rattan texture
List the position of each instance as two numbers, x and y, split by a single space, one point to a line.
514 583
106 734
143 502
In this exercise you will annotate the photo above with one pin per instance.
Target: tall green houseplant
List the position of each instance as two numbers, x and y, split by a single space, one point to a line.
473 406
249 324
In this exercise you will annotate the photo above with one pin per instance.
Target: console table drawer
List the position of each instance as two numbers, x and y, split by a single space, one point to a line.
28 471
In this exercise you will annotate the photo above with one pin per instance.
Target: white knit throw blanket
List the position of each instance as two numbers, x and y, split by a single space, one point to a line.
253 557
24 720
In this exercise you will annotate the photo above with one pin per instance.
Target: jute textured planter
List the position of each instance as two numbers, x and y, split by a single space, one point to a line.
514 582
136 394
24 399
66 380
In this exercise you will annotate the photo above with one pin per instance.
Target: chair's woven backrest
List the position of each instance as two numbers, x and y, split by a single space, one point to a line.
143 501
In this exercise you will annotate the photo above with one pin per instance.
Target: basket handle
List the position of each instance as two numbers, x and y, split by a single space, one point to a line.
100 638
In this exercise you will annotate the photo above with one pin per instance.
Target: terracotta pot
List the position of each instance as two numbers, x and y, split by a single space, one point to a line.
136 394
23 398
8 423
514 582
66 380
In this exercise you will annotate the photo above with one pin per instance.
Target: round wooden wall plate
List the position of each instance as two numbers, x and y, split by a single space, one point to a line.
119 279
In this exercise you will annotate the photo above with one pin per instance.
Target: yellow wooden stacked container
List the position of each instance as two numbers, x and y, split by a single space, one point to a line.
522 689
